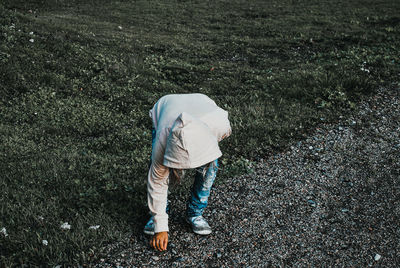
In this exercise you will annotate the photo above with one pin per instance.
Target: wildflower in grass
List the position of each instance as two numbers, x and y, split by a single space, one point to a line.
65 226
365 69
4 232
45 242
94 227
31 40
31 33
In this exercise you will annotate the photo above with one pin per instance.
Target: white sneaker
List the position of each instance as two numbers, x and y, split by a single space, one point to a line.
149 227
199 225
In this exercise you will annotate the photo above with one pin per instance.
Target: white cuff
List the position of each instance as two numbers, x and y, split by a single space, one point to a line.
161 224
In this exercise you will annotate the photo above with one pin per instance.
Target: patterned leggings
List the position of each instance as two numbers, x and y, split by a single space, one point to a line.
203 182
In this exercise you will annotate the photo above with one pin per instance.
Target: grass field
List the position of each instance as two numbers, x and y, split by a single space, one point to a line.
77 79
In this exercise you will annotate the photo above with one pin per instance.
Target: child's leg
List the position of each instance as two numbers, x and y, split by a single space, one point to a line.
201 189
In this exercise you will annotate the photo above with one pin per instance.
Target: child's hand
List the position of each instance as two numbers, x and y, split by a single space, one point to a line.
159 241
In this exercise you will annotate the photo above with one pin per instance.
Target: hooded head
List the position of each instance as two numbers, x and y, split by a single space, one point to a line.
190 144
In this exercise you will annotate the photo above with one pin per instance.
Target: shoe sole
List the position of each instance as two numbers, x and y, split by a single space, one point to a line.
148 232
204 232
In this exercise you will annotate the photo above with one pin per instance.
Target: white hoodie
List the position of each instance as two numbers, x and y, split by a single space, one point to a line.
188 129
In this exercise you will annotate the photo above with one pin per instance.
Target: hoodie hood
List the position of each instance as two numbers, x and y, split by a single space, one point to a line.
190 144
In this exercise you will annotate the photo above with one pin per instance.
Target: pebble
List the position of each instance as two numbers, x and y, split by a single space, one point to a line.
377 257
179 259
312 203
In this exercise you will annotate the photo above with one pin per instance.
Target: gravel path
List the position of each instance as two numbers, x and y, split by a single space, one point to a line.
331 200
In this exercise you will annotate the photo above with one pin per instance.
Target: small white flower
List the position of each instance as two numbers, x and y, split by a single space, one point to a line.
31 33
40 218
4 232
45 242
120 27
377 257
94 227
365 69
65 226
31 40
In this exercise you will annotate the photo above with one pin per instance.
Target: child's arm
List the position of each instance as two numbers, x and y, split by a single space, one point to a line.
157 191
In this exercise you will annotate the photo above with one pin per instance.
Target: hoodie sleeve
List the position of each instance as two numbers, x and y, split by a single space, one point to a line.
157 186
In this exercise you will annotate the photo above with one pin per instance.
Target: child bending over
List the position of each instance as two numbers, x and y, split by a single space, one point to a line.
186 132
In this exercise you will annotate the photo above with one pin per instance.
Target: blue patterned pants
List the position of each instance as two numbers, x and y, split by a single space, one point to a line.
203 182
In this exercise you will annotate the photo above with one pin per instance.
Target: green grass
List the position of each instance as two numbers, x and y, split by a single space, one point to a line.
74 103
